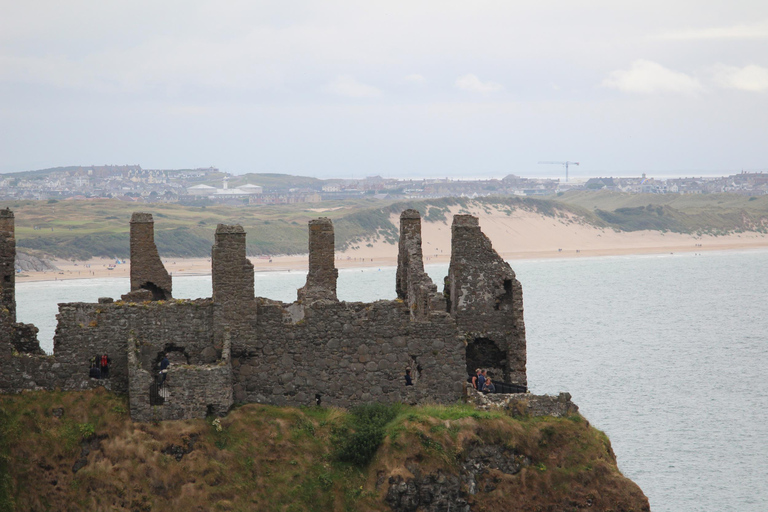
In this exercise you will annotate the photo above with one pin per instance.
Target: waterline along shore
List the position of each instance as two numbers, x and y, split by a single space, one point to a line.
536 239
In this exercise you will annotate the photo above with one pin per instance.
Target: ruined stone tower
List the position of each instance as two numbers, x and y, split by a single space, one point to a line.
147 270
486 300
321 279
7 260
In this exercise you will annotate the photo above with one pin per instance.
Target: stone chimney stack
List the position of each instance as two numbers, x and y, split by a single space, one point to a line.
321 279
232 272
409 249
233 283
147 270
7 263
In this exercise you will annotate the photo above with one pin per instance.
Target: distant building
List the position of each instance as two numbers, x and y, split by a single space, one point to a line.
201 190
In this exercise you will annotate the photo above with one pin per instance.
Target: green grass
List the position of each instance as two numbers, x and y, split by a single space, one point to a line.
271 458
689 213
84 229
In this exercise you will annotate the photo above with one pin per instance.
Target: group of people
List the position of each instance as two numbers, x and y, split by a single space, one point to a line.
99 367
482 382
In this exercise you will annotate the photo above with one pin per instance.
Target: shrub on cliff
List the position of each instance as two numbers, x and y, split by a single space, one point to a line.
358 440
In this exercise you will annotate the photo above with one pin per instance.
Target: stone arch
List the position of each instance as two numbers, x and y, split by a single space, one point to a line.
177 355
485 353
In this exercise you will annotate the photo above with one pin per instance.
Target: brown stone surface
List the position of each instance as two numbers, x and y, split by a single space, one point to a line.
147 270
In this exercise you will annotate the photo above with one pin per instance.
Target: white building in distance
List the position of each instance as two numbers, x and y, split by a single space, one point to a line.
212 192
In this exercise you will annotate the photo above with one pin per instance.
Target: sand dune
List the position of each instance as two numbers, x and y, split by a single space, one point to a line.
521 235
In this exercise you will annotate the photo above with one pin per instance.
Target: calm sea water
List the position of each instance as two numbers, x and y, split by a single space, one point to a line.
667 354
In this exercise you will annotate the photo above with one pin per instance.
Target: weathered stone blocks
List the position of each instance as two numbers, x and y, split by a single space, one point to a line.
147 270
322 275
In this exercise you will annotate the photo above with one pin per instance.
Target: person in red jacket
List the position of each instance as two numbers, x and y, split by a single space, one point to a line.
104 363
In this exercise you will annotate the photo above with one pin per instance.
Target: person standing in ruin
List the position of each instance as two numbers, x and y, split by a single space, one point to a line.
489 387
481 380
105 360
474 378
164 364
408 380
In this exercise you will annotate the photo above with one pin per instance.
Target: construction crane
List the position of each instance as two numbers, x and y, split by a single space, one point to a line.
566 164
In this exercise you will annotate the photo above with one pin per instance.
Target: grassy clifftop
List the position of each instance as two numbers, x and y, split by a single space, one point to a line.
80 451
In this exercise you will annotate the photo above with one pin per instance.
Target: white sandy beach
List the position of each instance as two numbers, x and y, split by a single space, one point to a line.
522 235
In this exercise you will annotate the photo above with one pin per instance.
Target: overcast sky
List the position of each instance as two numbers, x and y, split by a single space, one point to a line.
350 89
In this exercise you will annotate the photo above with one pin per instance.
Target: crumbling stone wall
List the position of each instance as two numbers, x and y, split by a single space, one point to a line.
189 391
486 300
7 269
413 285
524 404
85 330
322 275
14 336
147 270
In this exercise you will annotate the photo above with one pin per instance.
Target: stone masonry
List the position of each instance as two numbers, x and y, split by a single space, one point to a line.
232 279
414 286
486 300
237 348
147 270
322 275
7 270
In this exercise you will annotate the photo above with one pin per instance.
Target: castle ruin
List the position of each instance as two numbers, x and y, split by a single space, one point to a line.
237 348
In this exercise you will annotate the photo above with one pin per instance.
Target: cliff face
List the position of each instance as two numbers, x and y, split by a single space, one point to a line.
80 451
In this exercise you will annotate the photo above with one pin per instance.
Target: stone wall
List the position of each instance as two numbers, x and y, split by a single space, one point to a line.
7 268
348 353
524 404
147 270
486 300
85 330
189 391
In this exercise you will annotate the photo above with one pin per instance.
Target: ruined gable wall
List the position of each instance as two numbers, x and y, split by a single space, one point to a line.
348 353
85 330
147 270
413 284
486 299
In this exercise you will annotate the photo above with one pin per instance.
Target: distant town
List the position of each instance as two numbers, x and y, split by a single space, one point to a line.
210 185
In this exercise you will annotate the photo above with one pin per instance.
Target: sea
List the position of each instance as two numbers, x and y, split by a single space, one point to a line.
667 354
